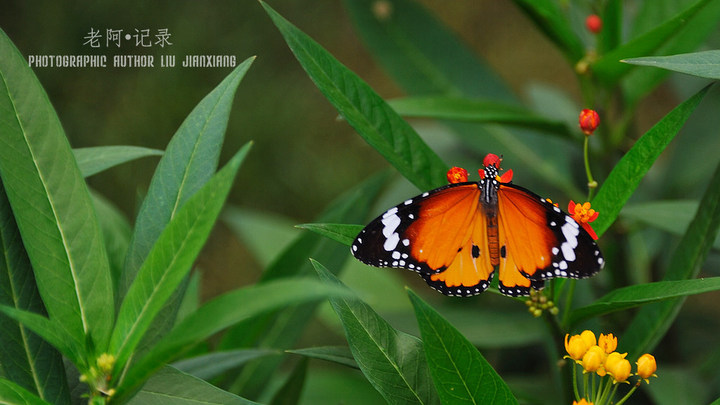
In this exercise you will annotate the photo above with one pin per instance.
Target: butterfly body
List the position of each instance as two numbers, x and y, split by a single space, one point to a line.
457 235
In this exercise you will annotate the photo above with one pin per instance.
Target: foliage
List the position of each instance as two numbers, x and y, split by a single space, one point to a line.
120 305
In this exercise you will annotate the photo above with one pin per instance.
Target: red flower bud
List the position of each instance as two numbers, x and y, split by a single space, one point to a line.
593 23
457 175
589 121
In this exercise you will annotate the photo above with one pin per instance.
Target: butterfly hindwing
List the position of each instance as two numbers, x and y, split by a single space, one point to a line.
440 234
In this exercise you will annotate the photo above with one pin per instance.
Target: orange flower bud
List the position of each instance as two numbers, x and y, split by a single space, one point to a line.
617 366
589 338
575 347
457 175
607 342
593 359
646 367
582 401
593 23
589 121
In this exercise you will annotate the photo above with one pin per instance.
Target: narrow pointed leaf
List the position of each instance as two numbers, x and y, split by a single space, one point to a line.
336 354
96 159
222 312
630 170
364 109
170 260
549 18
636 295
609 69
190 159
171 386
342 233
702 64
25 358
461 374
652 322
211 365
13 394
463 109
289 393
52 205
391 360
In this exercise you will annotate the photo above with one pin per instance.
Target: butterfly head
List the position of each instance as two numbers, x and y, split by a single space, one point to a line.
492 169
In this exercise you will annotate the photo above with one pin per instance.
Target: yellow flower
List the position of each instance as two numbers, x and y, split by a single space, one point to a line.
646 367
575 347
607 342
594 358
582 401
617 366
589 338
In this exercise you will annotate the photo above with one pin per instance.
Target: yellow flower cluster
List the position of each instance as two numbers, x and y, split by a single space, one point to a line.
599 357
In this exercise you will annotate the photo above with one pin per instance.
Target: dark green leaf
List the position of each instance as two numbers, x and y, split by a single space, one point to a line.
13 394
364 110
116 231
391 360
461 374
550 19
171 386
52 206
472 110
94 160
25 358
342 233
336 354
211 365
222 312
170 260
630 170
289 393
652 322
702 64
636 295
609 69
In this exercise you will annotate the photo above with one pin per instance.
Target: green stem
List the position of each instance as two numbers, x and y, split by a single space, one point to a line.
568 302
628 394
574 378
592 184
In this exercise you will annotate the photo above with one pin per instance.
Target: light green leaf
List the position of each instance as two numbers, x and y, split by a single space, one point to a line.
25 358
171 386
211 365
13 394
609 69
630 170
336 354
636 295
702 64
222 312
652 322
475 110
52 206
391 360
364 110
461 374
342 233
96 159
190 159
116 231
170 260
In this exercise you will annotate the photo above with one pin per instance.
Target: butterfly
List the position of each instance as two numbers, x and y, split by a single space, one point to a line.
457 235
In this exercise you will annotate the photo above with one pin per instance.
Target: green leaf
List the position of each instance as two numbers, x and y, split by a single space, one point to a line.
364 110
11 394
636 295
630 170
96 159
25 358
263 233
222 312
336 354
190 159
475 110
171 386
116 231
285 328
652 322
52 206
289 393
461 374
170 260
550 19
609 69
342 233
211 365
391 360
702 64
